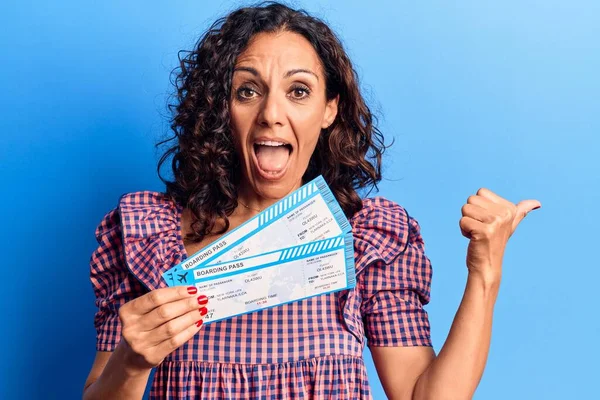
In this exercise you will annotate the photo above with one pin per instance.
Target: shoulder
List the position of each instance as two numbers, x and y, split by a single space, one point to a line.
145 201
143 212
382 230
144 228
380 210
134 206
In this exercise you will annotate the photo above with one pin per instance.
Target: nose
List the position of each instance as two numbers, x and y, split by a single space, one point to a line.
271 112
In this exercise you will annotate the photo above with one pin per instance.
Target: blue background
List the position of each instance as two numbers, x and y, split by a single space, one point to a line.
503 95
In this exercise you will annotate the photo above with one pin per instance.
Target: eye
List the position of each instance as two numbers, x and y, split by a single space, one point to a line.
300 92
246 93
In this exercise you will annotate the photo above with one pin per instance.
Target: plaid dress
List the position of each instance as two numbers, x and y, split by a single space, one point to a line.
310 349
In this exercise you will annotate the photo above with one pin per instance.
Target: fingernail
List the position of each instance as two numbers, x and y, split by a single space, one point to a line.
199 323
202 300
192 289
203 311
535 208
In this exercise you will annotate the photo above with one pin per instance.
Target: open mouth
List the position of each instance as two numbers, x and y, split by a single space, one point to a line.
272 157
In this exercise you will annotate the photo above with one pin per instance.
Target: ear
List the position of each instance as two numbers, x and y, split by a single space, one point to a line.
331 110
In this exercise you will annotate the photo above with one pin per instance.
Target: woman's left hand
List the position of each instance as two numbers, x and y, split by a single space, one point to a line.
489 221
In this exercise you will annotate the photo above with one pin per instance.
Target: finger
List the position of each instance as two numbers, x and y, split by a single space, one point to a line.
173 327
171 311
524 208
493 197
158 297
477 213
480 201
491 207
174 342
468 226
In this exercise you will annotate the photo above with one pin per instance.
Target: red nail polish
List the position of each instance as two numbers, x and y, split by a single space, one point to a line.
535 208
202 300
199 323
203 311
192 289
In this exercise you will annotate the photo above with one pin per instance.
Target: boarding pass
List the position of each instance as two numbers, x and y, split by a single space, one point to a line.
277 277
306 216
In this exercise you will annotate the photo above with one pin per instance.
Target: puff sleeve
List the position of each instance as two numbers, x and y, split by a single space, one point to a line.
112 283
394 278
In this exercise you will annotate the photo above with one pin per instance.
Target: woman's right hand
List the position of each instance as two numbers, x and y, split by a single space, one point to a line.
157 323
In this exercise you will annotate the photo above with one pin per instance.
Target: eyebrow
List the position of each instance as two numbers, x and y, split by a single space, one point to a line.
291 72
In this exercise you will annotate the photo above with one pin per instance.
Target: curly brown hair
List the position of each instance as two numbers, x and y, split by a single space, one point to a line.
205 165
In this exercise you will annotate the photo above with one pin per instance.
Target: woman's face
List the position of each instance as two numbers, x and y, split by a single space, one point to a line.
278 108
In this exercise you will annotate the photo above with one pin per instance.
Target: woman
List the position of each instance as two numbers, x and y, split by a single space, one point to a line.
267 101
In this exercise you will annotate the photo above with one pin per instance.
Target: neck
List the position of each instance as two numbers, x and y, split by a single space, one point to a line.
249 201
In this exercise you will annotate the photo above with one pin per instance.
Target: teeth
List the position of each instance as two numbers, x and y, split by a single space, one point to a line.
270 143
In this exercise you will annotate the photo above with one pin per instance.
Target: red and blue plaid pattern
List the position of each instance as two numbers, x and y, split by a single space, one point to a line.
307 349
